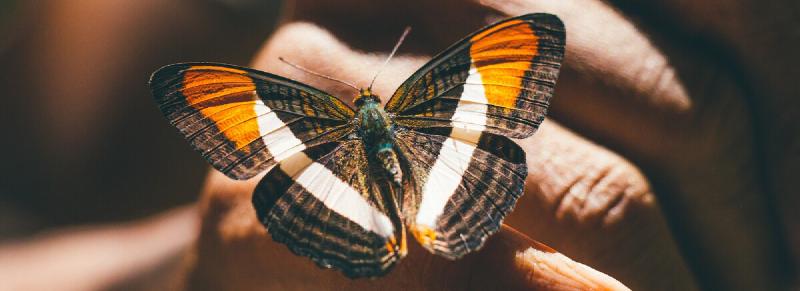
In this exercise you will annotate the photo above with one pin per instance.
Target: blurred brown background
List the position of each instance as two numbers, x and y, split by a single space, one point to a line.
91 168
84 142
90 164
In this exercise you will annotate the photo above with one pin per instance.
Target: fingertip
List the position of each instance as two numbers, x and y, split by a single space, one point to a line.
512 261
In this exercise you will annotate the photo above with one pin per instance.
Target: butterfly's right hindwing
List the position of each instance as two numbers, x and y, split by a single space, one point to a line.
460 190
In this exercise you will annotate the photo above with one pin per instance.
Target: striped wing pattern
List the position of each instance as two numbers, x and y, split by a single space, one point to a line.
459 111
244 121
464 187
323 206
322 195
499 80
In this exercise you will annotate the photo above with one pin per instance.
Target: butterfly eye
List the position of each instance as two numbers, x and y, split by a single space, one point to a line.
364 97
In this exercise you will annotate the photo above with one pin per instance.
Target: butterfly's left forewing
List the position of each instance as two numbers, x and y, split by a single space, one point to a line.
243 121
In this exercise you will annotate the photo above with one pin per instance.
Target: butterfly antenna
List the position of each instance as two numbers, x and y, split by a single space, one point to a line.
317 74
394 50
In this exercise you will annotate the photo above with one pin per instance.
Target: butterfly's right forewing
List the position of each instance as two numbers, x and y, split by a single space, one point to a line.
498 80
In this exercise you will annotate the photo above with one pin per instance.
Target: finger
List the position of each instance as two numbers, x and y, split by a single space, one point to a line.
230 225
606 52
700 157
235 252
552 207
364 24
760 41
599 209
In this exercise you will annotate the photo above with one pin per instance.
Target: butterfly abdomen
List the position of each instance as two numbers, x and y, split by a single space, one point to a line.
390 163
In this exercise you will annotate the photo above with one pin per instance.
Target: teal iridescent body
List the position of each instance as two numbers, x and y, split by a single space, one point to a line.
377 131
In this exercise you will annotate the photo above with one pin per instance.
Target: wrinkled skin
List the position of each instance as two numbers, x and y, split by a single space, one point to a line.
657 125
668 162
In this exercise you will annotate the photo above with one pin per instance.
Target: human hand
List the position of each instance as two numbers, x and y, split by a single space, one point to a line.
658 106
510 258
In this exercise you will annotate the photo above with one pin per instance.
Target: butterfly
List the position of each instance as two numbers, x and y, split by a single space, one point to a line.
344 186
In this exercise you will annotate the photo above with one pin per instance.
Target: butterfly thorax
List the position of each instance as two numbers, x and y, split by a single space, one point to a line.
375 128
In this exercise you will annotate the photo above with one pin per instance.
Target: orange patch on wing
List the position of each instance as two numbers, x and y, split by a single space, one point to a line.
218 68
424 234
502 55
227 97
206 75
403 245
393 246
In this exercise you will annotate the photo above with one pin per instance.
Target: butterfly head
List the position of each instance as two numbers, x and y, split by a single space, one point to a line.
365 95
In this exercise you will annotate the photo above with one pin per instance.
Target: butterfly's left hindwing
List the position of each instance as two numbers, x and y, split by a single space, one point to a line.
324 206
